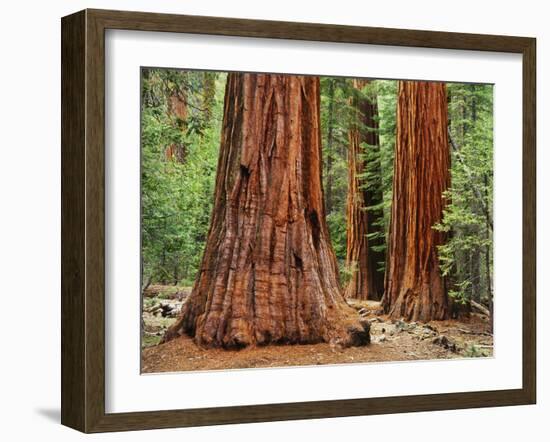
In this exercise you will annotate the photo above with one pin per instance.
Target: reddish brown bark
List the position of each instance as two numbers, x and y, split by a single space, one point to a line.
366 282
269 274
415 288
177 110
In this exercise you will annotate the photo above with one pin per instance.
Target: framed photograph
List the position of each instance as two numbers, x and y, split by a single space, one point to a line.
267 221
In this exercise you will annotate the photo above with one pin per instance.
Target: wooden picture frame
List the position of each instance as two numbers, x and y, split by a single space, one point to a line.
83 220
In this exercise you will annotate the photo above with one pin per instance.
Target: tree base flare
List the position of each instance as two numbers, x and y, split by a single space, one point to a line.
417 307
349 331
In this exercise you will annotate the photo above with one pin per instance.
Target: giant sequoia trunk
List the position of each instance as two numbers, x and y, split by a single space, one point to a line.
363 156
415 288
269 274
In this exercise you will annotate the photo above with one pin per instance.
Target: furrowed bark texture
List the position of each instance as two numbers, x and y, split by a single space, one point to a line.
269 274
366 282
177 110
414 286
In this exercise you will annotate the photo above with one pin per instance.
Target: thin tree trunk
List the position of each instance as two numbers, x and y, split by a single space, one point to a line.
488 270
475 274
209 94
415 288
177 110
475 256
269 274
163 266
366 282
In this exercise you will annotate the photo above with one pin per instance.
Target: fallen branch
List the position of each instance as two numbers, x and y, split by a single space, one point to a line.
470 332
480 308
466 332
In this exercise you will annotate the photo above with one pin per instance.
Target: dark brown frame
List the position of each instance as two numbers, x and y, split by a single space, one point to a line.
83 216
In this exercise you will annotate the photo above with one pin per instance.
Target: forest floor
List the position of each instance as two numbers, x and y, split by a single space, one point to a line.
391 340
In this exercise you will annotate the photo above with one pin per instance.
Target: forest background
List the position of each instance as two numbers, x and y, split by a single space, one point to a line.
182 113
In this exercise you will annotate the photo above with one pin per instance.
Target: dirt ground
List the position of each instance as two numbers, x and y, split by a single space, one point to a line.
390 341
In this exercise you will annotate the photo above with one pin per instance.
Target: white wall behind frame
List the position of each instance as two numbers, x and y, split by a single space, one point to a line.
30 232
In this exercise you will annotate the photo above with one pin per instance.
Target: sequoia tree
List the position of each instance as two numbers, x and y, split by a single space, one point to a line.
177 112
414 286
363 207
268 274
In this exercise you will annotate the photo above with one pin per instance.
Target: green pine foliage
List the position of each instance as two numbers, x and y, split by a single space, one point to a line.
335 114
467 256
177 197
386 91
